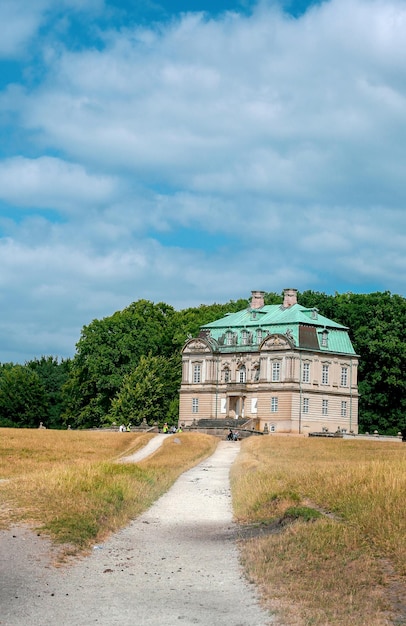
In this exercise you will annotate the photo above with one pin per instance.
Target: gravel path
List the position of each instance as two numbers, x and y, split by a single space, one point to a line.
177 564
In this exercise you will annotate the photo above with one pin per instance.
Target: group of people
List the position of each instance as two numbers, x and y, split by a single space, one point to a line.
124 429
233 435
170 430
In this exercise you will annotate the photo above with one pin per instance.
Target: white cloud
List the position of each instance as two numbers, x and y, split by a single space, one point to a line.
51 183
267 150
20 21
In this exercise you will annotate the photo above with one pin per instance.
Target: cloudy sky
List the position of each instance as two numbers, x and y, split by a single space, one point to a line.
192 151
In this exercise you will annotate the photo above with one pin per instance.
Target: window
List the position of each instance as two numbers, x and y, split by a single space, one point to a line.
229 338
324 375
254 405
324 407
276 372
195 405
244 337
344 377
242 374
259 335
306 373
305 405
226 375
344 408
274 404
197 373
324 339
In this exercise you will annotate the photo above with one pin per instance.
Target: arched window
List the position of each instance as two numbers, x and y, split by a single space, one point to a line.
242 374
259 335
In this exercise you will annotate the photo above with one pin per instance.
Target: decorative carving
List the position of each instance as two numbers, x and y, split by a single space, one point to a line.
275 342
196 345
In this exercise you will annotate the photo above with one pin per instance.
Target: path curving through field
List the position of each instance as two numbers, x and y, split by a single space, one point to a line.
177 564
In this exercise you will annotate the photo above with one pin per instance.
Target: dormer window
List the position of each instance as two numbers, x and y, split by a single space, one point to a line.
229 338
324 339
244 337
259 335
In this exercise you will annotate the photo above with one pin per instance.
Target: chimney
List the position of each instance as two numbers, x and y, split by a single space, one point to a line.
289 297
257 299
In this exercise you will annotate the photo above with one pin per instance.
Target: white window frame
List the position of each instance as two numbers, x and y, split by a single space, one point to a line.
197 373
229 338
254 406
305 372
344 376
305 408
274 404
244 337
343 408
324 407
276 372
324 374
260 335
195 405
242 374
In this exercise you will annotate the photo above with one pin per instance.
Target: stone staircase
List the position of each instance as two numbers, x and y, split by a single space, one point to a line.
220 427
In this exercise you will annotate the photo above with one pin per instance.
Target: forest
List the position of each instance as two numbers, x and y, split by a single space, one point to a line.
127 366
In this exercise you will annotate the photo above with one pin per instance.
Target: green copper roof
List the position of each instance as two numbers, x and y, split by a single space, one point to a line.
295 321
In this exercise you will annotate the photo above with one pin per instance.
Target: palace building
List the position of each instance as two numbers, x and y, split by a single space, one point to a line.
279 368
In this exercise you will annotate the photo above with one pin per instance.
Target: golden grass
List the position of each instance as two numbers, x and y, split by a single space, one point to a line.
68 484
23 451
329 571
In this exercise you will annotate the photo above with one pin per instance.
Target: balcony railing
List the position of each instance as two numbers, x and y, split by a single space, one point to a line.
233 386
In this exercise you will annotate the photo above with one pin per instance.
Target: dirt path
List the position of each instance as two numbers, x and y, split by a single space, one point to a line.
175 564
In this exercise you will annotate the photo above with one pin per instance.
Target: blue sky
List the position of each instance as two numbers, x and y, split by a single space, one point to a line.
190 152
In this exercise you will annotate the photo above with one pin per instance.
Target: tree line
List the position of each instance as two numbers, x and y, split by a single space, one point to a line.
127 366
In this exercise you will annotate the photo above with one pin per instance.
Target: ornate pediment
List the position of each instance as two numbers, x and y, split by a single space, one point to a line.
197 345
276 342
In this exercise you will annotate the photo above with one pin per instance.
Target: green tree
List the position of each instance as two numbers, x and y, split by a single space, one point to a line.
22 397
376 323
147 392
107 350
53 374
187 322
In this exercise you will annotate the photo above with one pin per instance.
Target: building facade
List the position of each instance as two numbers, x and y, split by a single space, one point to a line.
282 368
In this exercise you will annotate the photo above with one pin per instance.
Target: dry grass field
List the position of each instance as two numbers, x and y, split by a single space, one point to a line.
330 525
69 486
326 517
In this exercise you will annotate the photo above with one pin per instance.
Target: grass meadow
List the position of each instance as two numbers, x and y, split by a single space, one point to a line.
68 485
337 553
327 515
